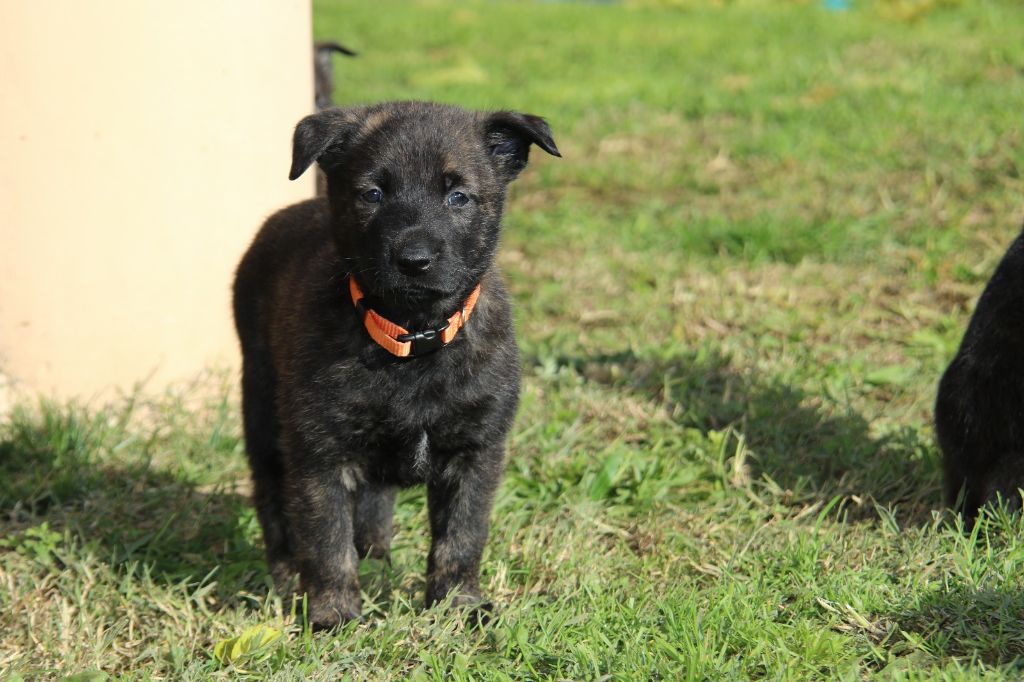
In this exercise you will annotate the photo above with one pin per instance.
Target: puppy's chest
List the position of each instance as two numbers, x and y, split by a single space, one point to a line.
415 461
402 460
393 429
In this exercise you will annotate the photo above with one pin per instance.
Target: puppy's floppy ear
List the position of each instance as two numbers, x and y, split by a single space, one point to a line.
320 135
509 135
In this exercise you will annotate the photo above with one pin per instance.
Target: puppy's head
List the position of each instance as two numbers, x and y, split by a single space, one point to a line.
417 190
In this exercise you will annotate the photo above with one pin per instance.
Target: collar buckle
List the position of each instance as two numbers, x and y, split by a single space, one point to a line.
426 341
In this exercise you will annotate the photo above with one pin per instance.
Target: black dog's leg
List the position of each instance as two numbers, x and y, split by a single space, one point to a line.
954 487
375 508
1002 483
320 511
986 486
261 433
459 499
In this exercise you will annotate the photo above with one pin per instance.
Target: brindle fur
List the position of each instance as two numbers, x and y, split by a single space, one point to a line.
979 412
334 424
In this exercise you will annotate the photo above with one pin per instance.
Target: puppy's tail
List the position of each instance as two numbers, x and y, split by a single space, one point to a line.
324 70
325 48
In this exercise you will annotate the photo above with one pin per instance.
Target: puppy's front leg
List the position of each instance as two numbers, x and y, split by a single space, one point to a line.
459 497
321 515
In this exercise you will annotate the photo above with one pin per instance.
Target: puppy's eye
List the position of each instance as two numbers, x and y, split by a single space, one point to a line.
457 199
372 196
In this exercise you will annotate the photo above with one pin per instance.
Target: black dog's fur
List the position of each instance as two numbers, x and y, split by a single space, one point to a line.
979 412
333 422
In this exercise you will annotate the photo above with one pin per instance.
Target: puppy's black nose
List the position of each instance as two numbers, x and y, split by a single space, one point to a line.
414 260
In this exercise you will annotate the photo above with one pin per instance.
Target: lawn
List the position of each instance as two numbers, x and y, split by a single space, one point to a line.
734 295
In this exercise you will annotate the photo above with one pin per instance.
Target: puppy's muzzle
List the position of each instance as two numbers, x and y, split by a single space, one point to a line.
414 257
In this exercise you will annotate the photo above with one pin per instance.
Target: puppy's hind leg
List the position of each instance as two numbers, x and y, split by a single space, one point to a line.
375 508
261 436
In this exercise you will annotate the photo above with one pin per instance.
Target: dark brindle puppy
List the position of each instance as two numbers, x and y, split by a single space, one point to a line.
979 413
334 420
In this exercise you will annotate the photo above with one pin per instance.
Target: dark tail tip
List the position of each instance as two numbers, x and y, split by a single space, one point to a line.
329 46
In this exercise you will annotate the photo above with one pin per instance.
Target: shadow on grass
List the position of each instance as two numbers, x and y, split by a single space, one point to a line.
90 475
979 624
812 449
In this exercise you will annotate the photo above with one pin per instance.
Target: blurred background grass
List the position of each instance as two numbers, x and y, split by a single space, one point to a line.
734 294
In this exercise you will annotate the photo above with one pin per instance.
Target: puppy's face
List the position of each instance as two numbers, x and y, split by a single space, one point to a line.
417 190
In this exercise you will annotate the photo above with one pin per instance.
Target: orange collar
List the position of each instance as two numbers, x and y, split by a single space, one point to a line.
400 341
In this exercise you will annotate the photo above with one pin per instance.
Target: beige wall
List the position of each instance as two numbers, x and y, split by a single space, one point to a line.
142 142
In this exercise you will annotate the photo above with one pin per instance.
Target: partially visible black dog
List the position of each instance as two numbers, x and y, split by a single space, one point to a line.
377 345
979 413
323 90
323 71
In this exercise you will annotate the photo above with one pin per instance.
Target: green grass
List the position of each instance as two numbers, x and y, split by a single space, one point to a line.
734 293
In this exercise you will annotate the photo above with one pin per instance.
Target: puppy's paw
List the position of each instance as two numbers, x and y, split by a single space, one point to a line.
478 612
467 600
331 608
476 609
283 573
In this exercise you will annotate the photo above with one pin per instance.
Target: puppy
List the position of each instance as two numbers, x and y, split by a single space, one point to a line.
979 412
377 345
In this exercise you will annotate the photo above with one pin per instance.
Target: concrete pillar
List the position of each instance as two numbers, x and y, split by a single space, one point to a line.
142 142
